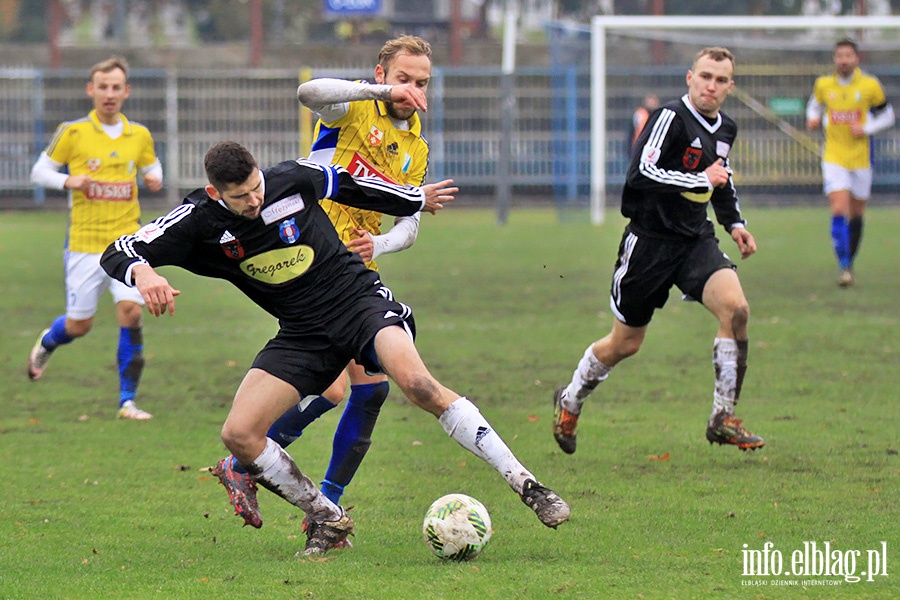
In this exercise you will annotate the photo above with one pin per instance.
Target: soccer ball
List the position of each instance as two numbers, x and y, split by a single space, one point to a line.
457 527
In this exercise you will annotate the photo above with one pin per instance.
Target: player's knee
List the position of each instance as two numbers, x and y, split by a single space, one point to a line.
237 438
624 348
740 318
423 391
79 328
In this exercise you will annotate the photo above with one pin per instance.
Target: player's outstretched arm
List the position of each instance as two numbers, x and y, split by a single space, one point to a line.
438 194
158 295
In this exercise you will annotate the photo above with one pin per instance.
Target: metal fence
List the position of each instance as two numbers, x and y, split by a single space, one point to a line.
549 149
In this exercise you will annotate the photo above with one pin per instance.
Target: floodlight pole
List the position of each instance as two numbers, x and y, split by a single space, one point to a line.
601 23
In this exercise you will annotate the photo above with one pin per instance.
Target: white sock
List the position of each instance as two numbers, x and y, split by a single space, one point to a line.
725 358
276 471
463 422
588 375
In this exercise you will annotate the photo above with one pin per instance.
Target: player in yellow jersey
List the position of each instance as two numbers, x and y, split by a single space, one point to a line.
371 129
850 106
105 154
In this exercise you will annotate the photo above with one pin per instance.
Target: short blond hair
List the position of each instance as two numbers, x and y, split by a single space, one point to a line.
406 44
110 64
716 53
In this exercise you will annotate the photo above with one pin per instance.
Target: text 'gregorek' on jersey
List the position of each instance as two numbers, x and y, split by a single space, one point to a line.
666 191
289 260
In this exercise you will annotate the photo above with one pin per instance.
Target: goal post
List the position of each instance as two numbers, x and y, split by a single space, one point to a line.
602 25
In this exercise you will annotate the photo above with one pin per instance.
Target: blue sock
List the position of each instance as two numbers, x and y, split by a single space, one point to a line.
291 424
131 362
353 436
57 335
840 238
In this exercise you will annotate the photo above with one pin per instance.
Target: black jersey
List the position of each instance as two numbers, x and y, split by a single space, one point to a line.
666 192
289 260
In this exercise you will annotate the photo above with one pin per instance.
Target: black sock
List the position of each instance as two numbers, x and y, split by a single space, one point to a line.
856 228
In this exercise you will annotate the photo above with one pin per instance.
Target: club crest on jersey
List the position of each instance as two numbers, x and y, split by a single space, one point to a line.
231 246
375 136
289 231
93 164
691 158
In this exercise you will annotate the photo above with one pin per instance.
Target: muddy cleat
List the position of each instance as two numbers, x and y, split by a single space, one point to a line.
550 508
37 360
325 535
565 424
727 429
241 488
130 411
340 545
846 278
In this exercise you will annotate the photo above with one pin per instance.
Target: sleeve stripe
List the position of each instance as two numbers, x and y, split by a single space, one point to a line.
125 243
331 173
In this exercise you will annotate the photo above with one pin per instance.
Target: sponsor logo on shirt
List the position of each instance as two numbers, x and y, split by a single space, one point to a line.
112 191
289 231
393 149
282 208
844 117
360 167
279 266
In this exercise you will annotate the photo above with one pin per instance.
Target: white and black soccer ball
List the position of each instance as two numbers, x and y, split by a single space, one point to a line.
457 527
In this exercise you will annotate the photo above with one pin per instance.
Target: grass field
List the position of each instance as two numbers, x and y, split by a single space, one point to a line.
100 508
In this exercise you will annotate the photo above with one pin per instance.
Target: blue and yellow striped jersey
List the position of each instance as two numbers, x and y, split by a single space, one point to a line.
365 142
109 208
845 105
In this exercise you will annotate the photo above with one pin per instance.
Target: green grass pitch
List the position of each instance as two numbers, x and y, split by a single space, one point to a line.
98 508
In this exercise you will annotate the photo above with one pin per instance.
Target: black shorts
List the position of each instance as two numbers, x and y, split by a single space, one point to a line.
648 267
310 360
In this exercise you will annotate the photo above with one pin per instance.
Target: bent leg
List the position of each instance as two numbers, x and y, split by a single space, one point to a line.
598 360
260 399
724 297
463 422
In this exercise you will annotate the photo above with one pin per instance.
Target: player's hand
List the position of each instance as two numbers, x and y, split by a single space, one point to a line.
744 240
409 95
857 130
154 184
362 245
717 173
158 295
813 123
79 182
438 194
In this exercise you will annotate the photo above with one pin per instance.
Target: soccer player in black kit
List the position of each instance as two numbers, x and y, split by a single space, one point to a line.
265 232
680 165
